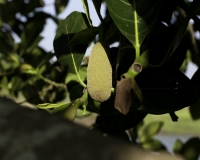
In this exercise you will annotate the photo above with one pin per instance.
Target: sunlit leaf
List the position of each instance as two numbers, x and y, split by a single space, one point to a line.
27 69
153 145
48 105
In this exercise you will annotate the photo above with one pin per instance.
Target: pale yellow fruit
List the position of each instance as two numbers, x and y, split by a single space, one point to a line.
99 74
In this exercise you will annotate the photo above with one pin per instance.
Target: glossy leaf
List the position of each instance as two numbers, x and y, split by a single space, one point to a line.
70 57
150 130
133 18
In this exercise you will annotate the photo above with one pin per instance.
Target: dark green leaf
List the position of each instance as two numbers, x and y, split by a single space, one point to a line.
182 28
125 57
133 18
75 90
60 5
196 79
31 94
191 149
30 36
36 57
70 57
195 110
87 12
112 34
114 121
6 42
165 91
73 77
178 146
84 37
31 6
150 130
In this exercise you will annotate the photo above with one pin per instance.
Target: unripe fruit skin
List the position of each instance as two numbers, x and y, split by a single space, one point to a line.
99 74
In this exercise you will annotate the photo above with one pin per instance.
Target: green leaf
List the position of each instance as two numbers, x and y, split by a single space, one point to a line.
112 34
60 108
73 77
195 110
165 90
27 69
84 37
144 59
86 8
191 149
49 105
68 110
133 18
182 28
30 36
70 57
153 145
4 85
114 121
60 5
150 130
177 146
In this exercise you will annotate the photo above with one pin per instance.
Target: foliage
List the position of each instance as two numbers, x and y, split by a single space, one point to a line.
156 42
